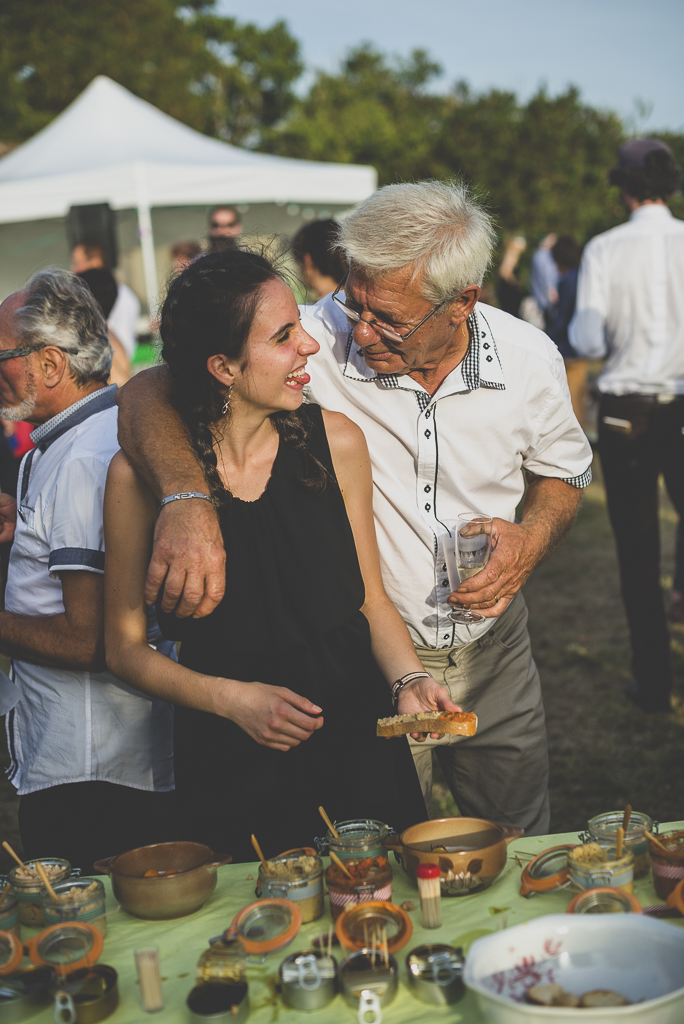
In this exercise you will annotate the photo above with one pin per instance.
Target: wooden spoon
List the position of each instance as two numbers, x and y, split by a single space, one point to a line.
626 816
46 881
260 855
654 839
340 864
326 819
619 842
13 854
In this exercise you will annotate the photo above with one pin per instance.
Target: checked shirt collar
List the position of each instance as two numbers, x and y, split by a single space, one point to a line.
480 367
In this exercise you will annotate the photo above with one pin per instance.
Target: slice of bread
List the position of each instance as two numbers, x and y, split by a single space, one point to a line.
455 723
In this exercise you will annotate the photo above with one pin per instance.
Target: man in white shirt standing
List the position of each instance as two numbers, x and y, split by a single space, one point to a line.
91 758
630 312
459 403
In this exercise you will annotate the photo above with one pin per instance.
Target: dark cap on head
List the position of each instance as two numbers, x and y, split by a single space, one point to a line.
632 156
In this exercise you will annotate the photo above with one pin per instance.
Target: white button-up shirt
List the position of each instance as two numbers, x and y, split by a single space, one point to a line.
630 304
72 726
504 408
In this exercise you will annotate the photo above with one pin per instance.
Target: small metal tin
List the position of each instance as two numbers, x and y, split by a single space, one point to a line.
308 979
434 973
549 870
361 973
32 987
219 1003
79 999
604 900
611 872
360 837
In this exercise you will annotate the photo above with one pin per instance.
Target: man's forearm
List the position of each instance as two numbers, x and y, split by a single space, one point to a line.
49 640
154 437
549 510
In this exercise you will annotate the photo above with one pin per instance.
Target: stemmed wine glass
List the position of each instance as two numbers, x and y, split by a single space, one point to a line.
467 548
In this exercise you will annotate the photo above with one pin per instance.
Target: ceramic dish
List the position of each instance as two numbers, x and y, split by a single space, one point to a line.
470 852
638 957
164 897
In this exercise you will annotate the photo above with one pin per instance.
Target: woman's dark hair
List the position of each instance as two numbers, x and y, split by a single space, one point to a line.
659 177
319 239
567 253
209 309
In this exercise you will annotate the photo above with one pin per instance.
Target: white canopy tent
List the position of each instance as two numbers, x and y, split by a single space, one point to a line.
110 146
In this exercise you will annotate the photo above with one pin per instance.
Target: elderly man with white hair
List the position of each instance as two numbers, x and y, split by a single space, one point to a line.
460 404
90 757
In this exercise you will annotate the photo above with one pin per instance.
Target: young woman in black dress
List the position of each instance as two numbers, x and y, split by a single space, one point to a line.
278 691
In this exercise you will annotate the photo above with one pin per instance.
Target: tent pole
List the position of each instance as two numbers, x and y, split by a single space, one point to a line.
146 238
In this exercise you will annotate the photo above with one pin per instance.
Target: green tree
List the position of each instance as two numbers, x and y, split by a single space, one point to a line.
208 71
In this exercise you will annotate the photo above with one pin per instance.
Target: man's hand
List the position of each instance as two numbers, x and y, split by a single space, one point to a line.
424 694
8 518
550 509
189 559
272 715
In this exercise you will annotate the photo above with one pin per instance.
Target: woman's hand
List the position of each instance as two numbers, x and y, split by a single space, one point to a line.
272 715
425 694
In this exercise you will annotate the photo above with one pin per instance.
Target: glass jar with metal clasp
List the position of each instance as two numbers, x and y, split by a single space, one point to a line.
295 875
357 838
602 828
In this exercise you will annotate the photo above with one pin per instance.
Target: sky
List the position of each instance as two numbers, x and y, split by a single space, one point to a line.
625 55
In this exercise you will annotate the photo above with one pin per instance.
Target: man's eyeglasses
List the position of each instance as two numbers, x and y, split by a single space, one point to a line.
219 224
19 353
391 333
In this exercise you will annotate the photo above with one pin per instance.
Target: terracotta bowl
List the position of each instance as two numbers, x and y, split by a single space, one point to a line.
474 854
168 896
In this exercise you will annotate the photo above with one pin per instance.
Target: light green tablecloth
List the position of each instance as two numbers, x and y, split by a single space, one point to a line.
180 943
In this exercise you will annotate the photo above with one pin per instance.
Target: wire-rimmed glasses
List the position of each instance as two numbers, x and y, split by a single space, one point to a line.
390 333
467 548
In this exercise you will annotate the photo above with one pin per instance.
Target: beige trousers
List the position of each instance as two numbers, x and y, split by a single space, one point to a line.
501 773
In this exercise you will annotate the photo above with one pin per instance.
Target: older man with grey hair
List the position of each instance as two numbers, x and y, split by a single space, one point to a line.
459 403
90 757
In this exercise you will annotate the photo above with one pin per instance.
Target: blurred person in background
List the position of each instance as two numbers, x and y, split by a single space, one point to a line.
630 312
102 284
321 265
225 224
509 292
84 747
183 253
123 317
544 277
567 254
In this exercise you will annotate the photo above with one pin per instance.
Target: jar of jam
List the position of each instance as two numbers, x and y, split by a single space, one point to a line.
79 899
603 829
668 867
371 879
28 884
361 837
296 875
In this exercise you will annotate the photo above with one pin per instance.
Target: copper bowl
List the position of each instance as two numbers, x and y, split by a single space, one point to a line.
474 851
167 896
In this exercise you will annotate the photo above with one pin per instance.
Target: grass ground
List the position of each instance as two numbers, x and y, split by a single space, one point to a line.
604 752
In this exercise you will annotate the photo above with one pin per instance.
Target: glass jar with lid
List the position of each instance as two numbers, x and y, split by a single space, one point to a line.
28 884
594 865
295 875
603 829
371 880
78 899
360 837
9 913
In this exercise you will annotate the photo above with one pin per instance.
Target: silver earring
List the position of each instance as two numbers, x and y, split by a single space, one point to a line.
226 404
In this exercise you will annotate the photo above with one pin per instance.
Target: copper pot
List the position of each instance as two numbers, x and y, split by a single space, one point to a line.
470 852
164 897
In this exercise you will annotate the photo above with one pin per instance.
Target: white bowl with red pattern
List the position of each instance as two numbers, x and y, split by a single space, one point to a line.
639 957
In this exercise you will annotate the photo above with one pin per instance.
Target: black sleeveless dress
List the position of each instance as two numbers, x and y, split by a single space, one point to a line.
290 617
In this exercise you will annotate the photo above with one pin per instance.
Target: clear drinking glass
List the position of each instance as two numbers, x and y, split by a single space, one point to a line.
467 547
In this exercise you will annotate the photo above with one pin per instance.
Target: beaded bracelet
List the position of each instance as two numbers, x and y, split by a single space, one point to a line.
404 681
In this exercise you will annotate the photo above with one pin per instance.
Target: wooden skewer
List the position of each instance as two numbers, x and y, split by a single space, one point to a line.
657 842
619 842
46 881
330 931
326 819
385 947
626 816
365 934
13 854
260 855
340 864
